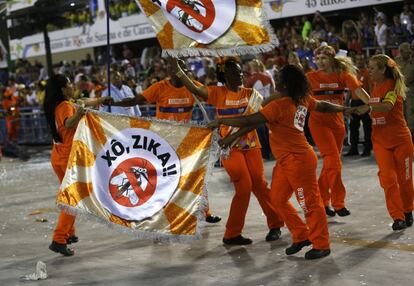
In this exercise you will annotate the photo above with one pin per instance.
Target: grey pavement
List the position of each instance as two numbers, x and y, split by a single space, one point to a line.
365 251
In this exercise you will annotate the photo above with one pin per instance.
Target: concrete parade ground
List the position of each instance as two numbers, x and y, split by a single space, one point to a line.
365 250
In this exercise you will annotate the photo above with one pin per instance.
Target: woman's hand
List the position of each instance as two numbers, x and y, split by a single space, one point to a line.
226 142
80 110
213 124
106 100
348 111
362 109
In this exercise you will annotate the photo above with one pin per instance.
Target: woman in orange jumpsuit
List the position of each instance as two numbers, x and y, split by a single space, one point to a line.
391 139
244 164
63 117
295 170
335 74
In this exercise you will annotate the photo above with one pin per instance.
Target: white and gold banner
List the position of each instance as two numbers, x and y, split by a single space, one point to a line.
146 176
209 27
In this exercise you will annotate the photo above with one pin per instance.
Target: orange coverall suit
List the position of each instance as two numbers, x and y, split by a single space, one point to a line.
295 172
60 154
172 103
11 106
393 150
244 165
328 132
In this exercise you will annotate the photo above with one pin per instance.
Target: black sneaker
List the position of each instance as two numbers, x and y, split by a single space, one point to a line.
343 212
72 239
366 154
296 247
213 219
61 248
317 253
408 219
399 224
329 212
351 153
238 240
274 234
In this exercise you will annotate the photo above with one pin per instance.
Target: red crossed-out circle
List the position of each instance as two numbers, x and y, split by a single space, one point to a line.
130 175
206 21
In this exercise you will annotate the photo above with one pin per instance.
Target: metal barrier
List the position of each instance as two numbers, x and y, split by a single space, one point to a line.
33 128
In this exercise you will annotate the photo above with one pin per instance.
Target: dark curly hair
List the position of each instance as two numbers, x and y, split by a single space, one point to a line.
293 83
222 67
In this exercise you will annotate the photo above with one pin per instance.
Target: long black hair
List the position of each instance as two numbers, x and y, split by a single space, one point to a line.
293 83
53 97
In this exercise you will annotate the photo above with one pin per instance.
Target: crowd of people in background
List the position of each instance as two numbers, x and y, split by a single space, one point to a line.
373 33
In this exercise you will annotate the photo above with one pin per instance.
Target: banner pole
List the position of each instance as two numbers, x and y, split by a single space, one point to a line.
108 51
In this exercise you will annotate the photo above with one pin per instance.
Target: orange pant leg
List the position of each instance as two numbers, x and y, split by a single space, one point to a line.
299 172
403 156
280 196
237 169
388 180
260 189
329 142
65 226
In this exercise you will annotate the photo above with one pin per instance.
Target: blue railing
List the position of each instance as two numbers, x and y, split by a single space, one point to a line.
33 128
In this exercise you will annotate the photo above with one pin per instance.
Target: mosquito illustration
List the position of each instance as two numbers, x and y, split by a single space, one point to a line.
124 185
185 18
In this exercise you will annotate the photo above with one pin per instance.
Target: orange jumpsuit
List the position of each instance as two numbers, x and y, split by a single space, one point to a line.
393 150
60 154
328 132
11 106
295 172
244 165
172 103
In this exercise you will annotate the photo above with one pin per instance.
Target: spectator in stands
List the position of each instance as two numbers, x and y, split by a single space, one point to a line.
119 91
381 31
406 63
133 8
398 32
367 31
306 28
293 59
405 18
85 86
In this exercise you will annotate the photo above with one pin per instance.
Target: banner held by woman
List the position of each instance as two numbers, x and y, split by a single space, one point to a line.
145 176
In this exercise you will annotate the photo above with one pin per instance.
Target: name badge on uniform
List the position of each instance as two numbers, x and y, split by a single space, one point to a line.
236 102
374 100
300 117
329 85
178 100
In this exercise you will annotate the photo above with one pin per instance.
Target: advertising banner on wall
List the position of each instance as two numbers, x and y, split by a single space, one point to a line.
289 8
132 24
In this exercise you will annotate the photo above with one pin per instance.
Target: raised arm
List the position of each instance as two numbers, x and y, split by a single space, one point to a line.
200 91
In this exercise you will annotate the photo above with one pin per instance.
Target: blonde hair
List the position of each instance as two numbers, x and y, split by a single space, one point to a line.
344 64
392 70
257 65
340 64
